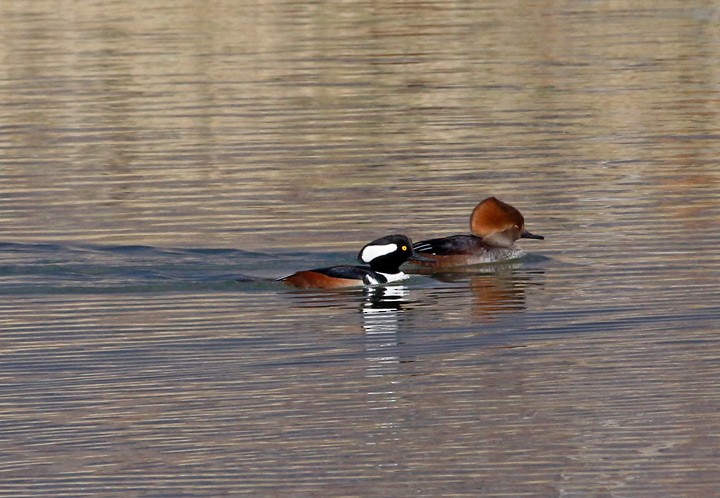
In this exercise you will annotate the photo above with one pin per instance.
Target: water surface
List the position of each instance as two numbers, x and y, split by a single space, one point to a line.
153 152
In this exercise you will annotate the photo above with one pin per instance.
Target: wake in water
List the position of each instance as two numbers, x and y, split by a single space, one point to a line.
59 268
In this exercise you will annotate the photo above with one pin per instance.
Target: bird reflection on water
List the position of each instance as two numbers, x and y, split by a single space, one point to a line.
381 314
494 290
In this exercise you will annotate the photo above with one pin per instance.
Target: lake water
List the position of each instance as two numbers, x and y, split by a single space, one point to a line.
151 152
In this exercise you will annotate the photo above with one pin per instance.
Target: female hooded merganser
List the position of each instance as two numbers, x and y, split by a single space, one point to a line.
495 227
384 255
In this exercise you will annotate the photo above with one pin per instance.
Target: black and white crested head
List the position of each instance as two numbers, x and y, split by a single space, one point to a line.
386 254
385 246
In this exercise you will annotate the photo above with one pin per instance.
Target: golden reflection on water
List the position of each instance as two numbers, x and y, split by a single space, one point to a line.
298 128
252 127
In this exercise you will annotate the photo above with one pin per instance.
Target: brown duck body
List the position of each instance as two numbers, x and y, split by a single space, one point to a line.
334 277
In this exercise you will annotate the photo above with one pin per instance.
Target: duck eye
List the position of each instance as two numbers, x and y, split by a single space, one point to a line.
404 248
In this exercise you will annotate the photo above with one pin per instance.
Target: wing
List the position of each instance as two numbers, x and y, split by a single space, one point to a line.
353 273
449 246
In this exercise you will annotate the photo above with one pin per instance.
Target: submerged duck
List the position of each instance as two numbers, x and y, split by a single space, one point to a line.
384 257
495 226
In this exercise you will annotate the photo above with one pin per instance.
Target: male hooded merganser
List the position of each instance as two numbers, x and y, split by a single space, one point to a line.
384 255
495 227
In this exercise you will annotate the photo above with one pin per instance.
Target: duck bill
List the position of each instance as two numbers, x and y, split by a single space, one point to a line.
417 257
527 235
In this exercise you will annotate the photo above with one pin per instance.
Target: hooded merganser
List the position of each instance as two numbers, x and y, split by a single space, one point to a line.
384 257
495 226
